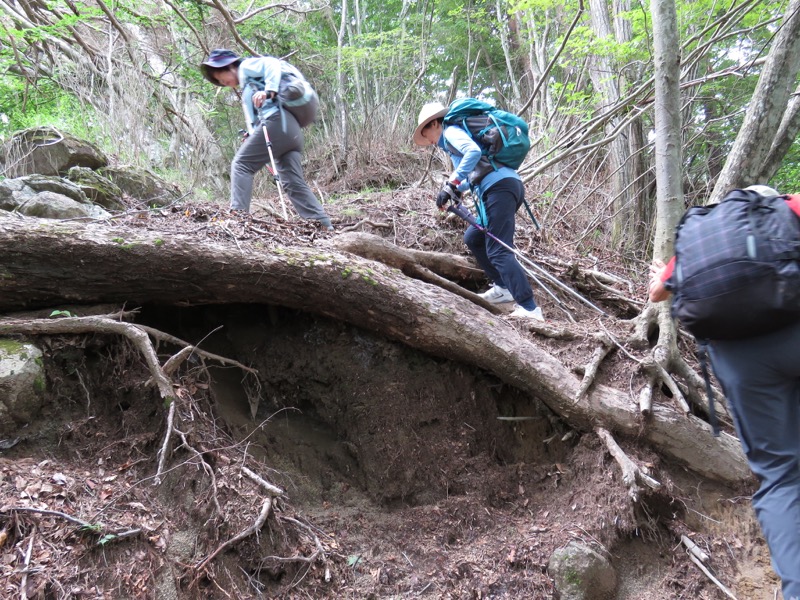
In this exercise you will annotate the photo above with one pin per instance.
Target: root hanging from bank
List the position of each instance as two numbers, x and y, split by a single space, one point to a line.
185 447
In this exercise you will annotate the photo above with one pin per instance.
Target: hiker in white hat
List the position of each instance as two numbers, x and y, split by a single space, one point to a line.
499 192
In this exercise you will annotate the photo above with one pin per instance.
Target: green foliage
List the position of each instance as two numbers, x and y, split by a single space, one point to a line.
39 103
787 179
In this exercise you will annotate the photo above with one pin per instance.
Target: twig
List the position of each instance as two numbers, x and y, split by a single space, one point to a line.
98 529
646 396
23 584
618 345
270 488
176 360
52 513
358 225
632 475
673 387
165 337
206 467
259 523
694 549
162 454
590 371
708 574
320 551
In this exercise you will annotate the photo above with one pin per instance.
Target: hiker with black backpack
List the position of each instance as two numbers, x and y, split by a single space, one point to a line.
277 102
735 282
500 193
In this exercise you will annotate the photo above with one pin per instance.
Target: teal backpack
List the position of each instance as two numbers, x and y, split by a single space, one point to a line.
502 136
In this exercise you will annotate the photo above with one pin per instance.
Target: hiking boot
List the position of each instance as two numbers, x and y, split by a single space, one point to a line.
535 314
497 295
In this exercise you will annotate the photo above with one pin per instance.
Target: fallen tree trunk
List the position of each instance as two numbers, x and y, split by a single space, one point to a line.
46 263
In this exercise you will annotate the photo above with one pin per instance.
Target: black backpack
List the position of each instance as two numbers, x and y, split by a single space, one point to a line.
737 267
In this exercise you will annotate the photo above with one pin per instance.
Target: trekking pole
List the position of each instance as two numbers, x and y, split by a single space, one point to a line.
275 175
538 282
461 211
530 214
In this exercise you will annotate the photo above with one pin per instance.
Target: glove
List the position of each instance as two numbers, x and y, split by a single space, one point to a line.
449 193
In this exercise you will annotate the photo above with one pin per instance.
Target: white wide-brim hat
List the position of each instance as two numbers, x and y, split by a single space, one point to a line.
429 112
763 190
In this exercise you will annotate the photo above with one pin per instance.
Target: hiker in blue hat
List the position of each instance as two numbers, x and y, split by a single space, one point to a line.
274 94
501 193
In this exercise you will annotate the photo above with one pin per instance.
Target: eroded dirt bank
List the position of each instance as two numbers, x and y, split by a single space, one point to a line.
412 477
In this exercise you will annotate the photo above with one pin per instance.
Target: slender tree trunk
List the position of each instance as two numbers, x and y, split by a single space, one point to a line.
747 159
669 189
341 110
787 133
606 77
502 28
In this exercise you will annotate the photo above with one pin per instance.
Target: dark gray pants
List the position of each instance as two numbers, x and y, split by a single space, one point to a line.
287 148
761 380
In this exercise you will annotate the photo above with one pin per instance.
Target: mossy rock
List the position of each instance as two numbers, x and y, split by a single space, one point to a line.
582 573
22 384
50 205
48 151
57 185
142 185
100 190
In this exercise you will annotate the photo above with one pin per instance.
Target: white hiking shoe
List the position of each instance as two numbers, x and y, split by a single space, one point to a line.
535 314
497 295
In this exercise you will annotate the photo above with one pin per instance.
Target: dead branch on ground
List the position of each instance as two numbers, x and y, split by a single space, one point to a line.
97 529
590 370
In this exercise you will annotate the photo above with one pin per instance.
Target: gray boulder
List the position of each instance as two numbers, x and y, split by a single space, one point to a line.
22 384
47 151
50 205
142 185
58 185
47 197
581 573
100 190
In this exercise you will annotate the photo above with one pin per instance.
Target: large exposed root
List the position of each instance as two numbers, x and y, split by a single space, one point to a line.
634 478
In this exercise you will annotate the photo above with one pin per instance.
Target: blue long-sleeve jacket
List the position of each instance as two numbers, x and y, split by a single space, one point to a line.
466 154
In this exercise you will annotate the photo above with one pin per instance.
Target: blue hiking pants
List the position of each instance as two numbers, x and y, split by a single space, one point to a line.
761 379
500 203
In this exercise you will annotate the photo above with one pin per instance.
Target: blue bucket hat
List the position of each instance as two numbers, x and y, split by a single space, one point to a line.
218 59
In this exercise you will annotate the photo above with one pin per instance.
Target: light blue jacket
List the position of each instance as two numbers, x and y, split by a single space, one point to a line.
466 154
269 74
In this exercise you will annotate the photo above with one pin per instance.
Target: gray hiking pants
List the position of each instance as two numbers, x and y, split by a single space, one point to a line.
287 148
761 380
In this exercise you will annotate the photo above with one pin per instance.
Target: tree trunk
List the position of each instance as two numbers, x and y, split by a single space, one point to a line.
607 79
45 264
669 189
787 134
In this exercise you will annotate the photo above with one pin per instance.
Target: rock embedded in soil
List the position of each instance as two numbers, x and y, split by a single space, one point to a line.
581 573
